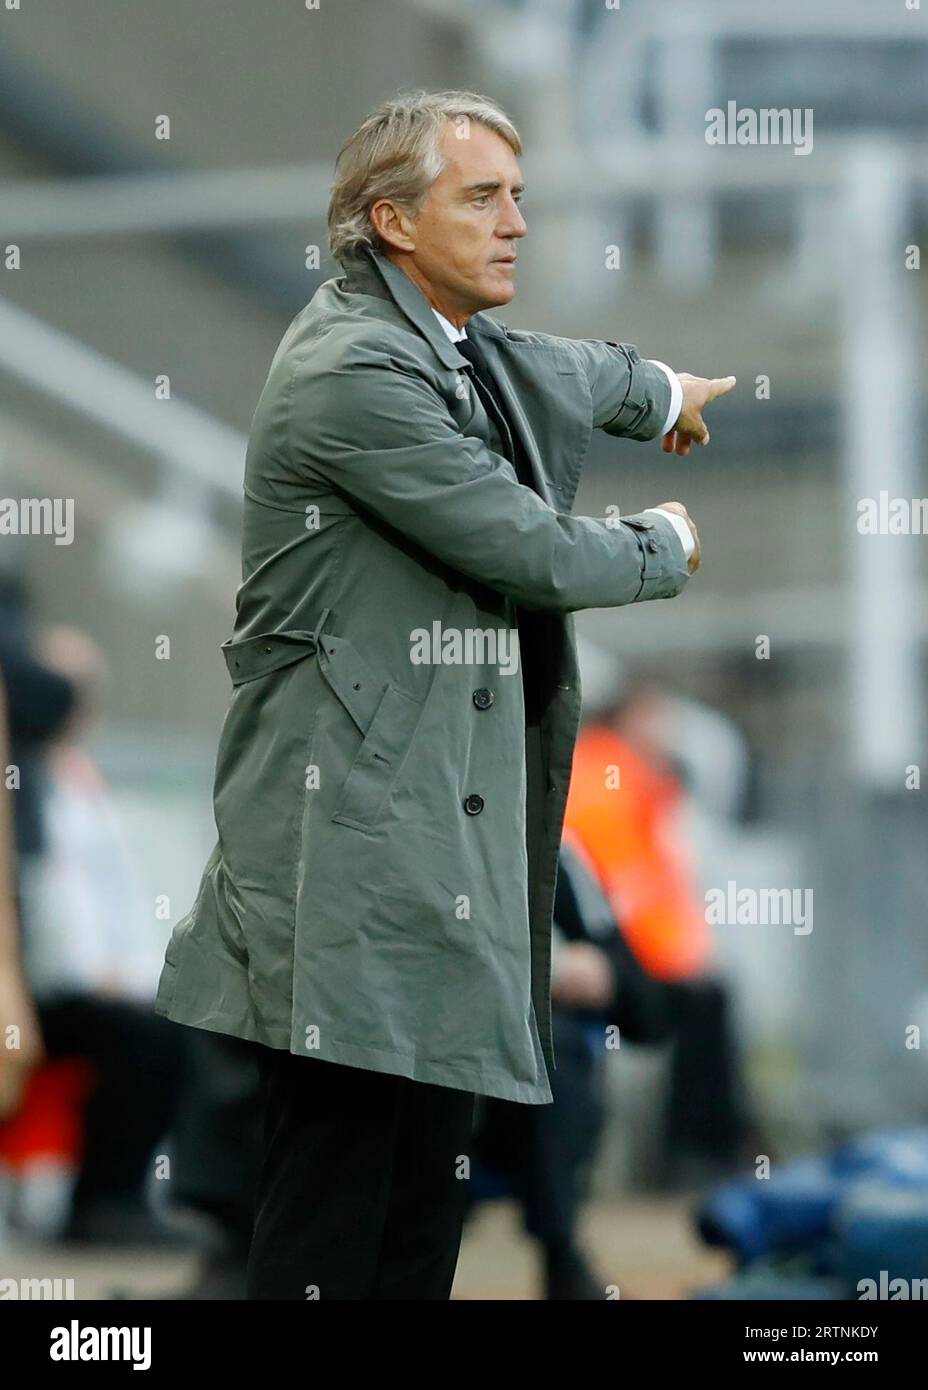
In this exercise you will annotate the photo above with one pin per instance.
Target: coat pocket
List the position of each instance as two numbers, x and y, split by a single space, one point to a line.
385 716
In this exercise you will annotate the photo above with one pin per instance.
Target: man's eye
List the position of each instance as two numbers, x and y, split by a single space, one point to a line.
482 198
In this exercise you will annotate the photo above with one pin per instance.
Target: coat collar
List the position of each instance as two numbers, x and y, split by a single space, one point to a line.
373 273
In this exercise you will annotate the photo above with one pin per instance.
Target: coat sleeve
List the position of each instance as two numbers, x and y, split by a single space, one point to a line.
384 438
631 397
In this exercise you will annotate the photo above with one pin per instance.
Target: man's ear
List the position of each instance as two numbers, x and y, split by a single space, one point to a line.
394 227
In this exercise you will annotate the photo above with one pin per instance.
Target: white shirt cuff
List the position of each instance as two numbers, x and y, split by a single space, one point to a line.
676 394
681 528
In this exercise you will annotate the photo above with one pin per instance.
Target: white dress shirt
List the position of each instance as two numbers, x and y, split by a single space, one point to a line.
673 414
455 334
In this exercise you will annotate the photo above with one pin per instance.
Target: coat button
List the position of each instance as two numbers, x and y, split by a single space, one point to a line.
473 804
483 698
651 543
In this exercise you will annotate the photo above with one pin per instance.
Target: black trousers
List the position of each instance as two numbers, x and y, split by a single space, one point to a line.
363 1183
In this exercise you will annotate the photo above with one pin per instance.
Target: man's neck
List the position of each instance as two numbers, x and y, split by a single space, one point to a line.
453 314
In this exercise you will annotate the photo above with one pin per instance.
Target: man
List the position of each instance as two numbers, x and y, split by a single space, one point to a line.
377 910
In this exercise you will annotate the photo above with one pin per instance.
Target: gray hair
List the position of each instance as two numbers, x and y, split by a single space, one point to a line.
394 154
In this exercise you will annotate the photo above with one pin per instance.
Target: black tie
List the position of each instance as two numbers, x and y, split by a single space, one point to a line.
468 348
532 636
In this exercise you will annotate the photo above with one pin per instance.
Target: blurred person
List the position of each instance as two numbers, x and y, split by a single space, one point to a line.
39 701
215 1145
547 1152
625 807
104 943
36 702
80 928
21 1046
376 913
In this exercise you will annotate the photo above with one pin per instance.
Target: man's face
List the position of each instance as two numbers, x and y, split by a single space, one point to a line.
461 248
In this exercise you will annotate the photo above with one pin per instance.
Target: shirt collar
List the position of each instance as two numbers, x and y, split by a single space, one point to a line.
455 334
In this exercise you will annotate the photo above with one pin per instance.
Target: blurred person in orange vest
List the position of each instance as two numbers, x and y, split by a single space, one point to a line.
624 807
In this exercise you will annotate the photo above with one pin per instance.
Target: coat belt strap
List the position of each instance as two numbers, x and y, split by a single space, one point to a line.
247 658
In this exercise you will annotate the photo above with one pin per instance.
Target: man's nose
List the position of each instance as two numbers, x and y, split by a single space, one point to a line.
512 223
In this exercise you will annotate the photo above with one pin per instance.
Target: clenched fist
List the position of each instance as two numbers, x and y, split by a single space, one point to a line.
680 510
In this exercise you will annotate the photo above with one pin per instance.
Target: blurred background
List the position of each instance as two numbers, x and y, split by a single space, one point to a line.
165 177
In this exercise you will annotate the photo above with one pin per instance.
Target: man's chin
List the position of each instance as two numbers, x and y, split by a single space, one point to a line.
498 289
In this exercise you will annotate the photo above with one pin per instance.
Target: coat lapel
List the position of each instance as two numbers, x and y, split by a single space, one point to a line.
492 340
489 336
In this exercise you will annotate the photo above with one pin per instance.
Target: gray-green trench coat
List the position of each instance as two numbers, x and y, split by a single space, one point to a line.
388 798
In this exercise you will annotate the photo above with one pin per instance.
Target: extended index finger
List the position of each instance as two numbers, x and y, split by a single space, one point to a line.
720 386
